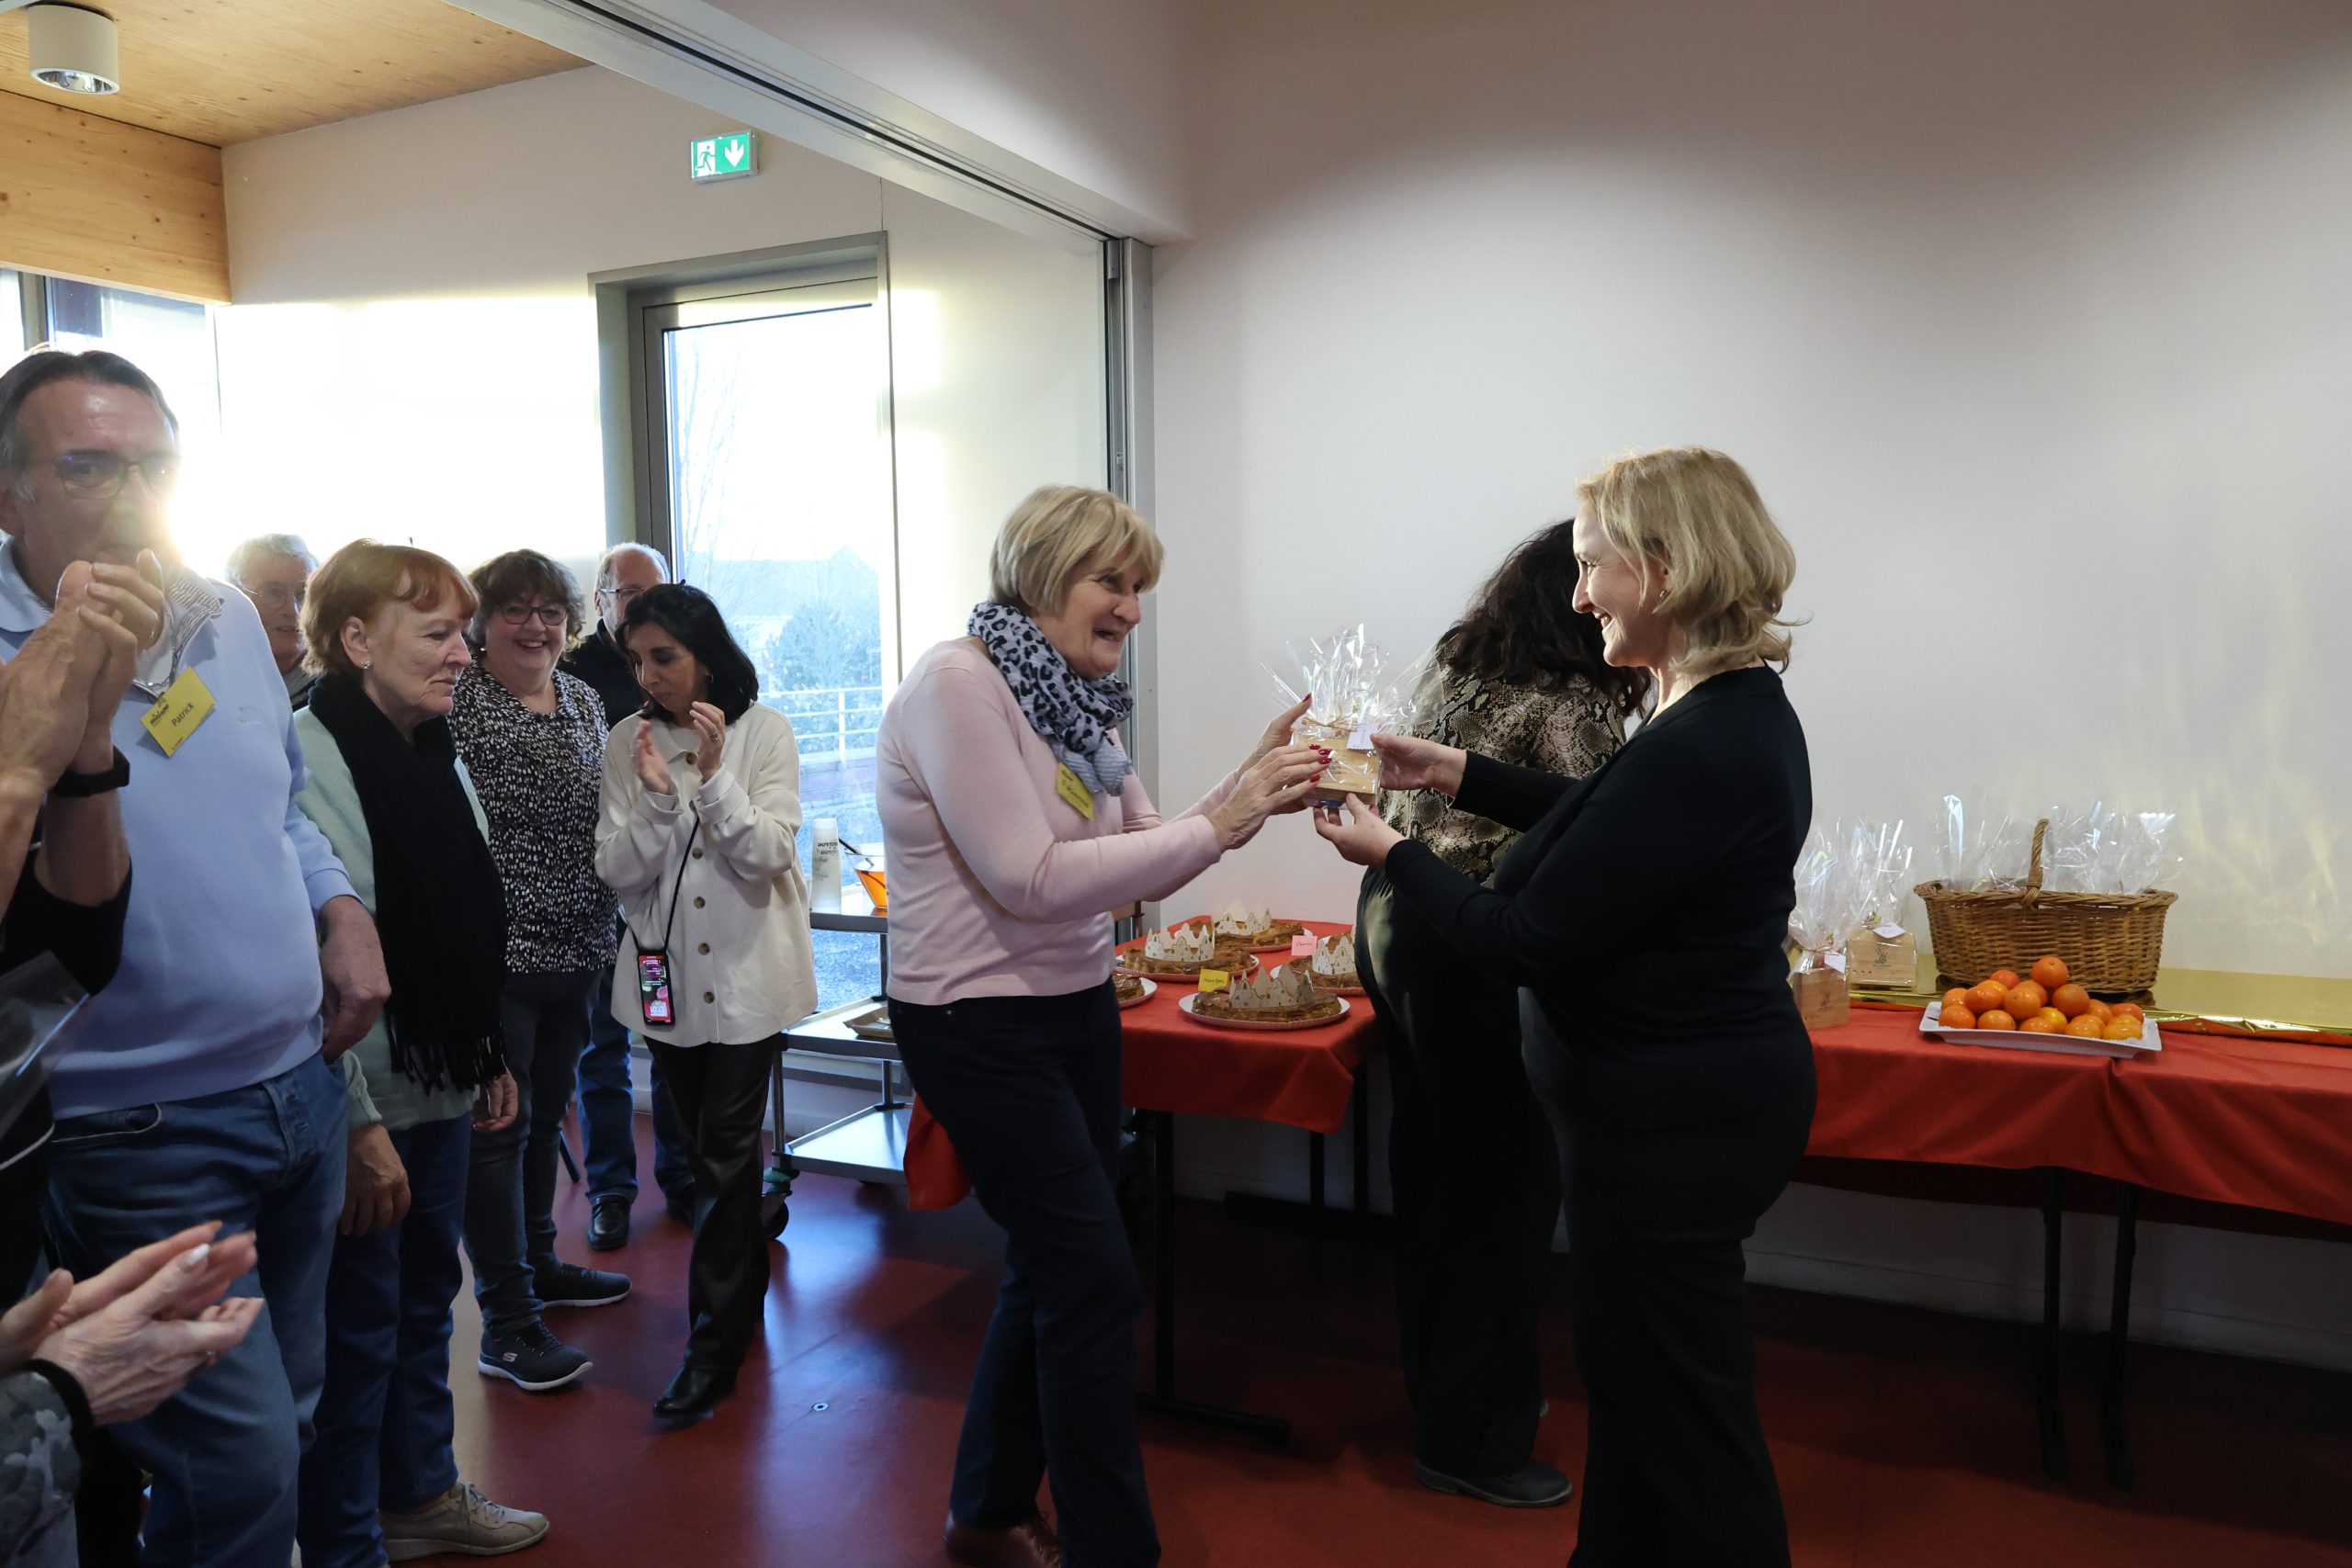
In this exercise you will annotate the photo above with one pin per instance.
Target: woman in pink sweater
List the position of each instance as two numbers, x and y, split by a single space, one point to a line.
1015 821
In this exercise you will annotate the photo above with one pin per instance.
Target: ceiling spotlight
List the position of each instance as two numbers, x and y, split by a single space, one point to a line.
72 48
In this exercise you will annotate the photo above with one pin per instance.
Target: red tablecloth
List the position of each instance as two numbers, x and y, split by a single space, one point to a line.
2267 1123
1300 1078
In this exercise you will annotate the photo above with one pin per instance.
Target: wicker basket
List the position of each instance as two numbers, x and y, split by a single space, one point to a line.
2112 942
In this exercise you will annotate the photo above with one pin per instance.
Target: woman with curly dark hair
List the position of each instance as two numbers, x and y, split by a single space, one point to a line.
1470 1165
701 802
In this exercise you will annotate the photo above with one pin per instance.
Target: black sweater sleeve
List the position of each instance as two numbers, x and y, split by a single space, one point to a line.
86 939
1647 835
1502 792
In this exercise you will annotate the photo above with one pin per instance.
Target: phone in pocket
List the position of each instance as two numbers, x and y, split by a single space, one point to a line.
653 989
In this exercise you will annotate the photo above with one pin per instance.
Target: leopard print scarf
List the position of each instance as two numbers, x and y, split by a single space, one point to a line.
1078 718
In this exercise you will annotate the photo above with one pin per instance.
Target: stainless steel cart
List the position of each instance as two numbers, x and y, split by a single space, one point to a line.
868 1145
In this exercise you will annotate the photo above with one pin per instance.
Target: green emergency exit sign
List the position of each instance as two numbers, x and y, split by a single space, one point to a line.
729 157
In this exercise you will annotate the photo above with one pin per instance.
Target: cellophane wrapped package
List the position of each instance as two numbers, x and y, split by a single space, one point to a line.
1356 695
1881 951
1833 890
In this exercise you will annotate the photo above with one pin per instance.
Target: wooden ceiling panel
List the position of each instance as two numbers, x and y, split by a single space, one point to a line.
226 71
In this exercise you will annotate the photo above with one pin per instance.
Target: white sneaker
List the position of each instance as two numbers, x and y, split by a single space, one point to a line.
461 1520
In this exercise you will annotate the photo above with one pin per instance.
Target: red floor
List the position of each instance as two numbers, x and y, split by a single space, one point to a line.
1903 1438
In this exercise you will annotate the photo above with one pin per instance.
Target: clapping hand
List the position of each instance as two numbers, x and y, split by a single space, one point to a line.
711 724
652 770
123 608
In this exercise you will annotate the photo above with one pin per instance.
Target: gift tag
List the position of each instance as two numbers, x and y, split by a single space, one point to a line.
1886 932
1303 945
175 715
1075 794
1360 740
1215 980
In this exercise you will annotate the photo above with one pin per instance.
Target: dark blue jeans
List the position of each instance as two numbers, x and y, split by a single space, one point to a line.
1028 1089
269 1159
608 1113
385 1420
510 1199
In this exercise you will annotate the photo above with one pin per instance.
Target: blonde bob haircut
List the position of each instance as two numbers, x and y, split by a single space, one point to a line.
1691 517
363 577
1059 534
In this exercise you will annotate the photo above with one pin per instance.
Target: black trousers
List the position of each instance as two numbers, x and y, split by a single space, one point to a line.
720 1092
1476 1186
1676 1470
1028 1089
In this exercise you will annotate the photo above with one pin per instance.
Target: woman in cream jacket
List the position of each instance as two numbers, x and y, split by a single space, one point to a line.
701 803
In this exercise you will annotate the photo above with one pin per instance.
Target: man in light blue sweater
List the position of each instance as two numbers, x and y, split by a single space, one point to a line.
202 1088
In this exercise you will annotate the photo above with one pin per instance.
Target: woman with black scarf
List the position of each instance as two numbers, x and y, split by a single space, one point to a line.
385 625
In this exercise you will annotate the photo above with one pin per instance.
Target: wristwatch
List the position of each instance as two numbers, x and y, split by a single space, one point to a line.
71 785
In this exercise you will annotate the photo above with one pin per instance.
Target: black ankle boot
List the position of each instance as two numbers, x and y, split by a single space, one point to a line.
692 1392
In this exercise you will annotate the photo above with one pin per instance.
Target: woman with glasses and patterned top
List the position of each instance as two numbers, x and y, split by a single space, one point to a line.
701 804
533 738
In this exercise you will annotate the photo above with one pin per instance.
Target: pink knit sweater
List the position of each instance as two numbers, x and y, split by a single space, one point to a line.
997 887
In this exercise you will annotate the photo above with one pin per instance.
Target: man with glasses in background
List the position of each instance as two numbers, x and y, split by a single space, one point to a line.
202 1087
274 571
607 1105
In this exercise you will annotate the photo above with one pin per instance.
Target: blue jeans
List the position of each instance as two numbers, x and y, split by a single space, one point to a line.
269 1159
608 1113
385 1421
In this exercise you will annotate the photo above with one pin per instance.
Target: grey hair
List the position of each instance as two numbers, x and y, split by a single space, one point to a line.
252 554
607 571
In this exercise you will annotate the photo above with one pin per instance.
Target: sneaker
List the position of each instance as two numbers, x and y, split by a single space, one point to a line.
461 1520
533 1358
1532 1486
569 1285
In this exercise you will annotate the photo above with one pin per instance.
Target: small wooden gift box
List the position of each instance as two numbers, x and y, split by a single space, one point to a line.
1884 956
1819 982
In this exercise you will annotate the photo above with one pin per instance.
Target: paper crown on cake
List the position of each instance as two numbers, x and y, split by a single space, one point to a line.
1335 954
1242 918
1284 986
1191 943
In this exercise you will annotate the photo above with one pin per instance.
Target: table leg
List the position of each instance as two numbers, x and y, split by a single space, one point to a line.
2046 1359
2119 1341
1161 1398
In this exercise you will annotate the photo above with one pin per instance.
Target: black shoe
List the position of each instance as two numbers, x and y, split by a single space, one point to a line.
692 1392
1532 1486
534 1360
569 1285
680 1207
608 1225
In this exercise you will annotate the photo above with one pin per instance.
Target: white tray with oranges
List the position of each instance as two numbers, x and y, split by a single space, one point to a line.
2043 1011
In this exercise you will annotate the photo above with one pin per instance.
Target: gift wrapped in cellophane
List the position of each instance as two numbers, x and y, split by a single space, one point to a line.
1355 696
1833 879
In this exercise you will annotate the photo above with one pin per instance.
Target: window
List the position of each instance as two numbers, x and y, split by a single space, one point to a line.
767 472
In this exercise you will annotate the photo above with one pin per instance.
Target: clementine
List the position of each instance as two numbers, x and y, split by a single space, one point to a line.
1984 999
1956 998
1955 1018
2040 1024
2056 1019
2006 978
1997 1019
2086 1027
2050 973
2123 1029
2070 999
2127 1010
2026 998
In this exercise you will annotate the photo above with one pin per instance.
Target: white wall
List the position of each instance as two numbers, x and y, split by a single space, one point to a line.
358 240
2028 321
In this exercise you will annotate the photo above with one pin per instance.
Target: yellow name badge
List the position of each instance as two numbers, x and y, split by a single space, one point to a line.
1076 795
185 704
1214 979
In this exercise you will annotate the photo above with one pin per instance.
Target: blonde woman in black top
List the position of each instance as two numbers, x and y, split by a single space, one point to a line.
1518 678
1643 910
